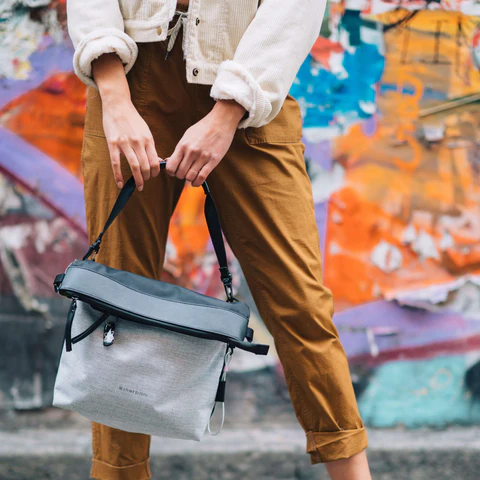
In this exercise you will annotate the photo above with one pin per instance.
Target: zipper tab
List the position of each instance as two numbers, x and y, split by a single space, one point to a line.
68 326
109 333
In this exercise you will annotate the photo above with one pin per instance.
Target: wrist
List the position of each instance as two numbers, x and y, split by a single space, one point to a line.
229 112
114 96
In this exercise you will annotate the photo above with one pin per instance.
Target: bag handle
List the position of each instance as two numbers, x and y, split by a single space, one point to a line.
211 216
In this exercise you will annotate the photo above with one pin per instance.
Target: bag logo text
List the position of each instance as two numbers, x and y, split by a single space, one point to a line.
129 390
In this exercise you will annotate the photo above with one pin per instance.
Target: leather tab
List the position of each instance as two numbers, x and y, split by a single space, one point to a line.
221 391
58 281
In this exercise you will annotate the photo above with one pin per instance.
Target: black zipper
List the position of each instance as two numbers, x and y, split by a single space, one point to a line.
116 311
105 307
68 325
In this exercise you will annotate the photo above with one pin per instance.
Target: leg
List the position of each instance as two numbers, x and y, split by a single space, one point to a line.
352 468
134 242
264 197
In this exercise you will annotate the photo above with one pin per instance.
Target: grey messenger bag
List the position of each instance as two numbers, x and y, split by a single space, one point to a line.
158 366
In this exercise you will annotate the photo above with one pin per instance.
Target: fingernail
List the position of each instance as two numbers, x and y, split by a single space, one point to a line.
120 184
140 188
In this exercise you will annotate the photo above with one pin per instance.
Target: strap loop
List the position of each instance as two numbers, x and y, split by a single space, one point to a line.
213 434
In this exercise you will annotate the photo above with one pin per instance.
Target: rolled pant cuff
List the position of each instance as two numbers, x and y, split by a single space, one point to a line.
104 471
326 447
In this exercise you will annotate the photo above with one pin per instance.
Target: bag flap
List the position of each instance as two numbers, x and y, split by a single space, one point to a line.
155 300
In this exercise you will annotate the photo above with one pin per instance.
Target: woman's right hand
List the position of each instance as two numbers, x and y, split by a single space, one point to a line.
125 130
128 133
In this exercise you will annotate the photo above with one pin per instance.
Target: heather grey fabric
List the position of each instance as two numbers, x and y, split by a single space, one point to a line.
150 380
157 300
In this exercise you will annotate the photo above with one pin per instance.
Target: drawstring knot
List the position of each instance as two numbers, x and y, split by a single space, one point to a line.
174 31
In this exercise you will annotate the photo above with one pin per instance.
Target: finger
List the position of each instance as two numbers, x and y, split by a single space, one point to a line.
134 167
190 156
203 174
140 152
174 160
116 166
153 159
195 168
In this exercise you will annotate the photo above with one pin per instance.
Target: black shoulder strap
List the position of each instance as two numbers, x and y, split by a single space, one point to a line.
215 230
211 216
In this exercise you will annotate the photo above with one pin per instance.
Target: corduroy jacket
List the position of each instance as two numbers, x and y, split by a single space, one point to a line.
248 50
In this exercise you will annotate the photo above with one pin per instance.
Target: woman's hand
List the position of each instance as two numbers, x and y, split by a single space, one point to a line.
204 144
126 131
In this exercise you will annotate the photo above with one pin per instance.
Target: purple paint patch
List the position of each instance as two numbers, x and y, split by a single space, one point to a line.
45 63
370 126
319 153
321 216
407 327
57 186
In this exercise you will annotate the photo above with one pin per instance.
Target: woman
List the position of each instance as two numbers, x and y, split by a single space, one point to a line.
205 87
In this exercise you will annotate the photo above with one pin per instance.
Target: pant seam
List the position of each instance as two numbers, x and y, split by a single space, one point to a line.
145 76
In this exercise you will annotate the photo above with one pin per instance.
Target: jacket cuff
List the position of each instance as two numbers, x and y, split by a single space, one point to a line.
104 40
235 82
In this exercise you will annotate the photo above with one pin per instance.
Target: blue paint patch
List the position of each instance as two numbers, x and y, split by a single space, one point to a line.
428 93
328 99
419 393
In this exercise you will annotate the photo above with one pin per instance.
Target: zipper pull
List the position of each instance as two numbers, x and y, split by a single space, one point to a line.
68 326
109 333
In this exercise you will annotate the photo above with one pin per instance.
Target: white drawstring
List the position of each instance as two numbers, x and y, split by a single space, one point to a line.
174 31
223 378
213 434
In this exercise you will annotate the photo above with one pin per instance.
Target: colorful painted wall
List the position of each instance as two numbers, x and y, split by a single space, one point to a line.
391 105
390 96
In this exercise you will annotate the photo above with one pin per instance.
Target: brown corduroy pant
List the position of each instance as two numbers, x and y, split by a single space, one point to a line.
264 198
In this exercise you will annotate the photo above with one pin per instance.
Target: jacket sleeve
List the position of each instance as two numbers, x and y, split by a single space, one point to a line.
96 27
268 57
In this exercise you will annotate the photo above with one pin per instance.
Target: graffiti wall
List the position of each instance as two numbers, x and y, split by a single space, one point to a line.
390 97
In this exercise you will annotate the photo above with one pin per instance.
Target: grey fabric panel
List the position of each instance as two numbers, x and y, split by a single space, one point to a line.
209 317
150 380
161 289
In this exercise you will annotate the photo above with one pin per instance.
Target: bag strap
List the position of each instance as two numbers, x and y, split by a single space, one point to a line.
211 216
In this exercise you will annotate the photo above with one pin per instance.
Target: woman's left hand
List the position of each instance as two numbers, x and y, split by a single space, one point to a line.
204 144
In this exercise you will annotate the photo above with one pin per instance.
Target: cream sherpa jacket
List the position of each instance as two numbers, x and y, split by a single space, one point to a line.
248 50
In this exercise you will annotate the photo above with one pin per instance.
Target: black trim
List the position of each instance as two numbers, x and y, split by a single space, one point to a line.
90 329
109 309
221 391
58 281
156 288
68 325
